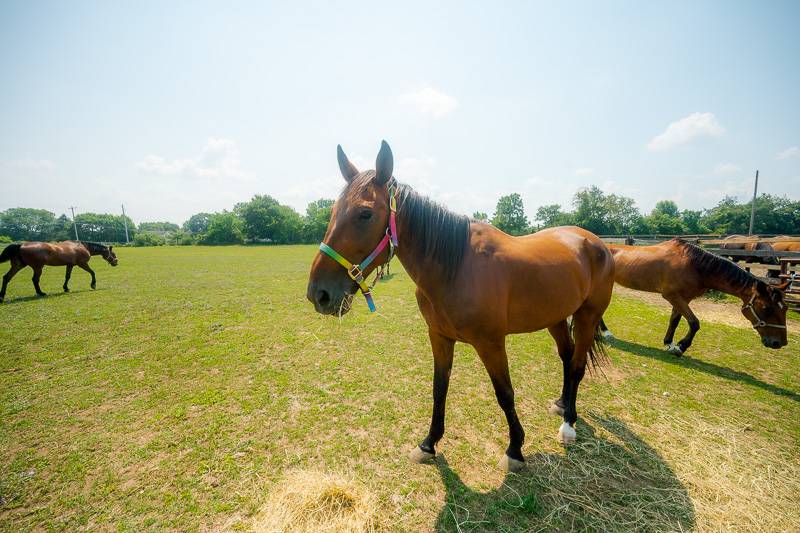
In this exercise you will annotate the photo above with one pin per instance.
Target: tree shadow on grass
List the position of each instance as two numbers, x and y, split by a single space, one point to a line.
703 366
599 484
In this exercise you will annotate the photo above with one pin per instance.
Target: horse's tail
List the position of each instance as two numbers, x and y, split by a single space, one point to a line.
10 252
598 350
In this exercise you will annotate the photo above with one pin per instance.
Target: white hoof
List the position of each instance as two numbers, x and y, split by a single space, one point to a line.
507 464
566 434
418 456
555 409
674 349
608 335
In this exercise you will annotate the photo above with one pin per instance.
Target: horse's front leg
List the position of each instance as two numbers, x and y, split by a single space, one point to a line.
494 358
442 364
90 271
682 306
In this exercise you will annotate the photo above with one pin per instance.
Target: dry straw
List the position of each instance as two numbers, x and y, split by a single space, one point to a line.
309 501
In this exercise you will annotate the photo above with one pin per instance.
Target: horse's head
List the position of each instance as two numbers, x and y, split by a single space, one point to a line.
766 310
110 256
359 219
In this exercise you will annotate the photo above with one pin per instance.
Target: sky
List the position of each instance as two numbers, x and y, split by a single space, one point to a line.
173 108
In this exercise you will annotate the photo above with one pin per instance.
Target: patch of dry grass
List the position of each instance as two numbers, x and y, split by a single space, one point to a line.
316 502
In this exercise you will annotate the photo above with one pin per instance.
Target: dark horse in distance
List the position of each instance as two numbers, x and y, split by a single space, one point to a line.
475 284
37 255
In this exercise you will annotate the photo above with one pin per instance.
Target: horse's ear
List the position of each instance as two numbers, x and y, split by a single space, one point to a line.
349 170
384 164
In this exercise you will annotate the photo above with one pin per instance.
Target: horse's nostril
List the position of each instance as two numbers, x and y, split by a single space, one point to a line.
323 298
776 344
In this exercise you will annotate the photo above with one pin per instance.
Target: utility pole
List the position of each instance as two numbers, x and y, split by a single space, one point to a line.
74 224
125 221
753 207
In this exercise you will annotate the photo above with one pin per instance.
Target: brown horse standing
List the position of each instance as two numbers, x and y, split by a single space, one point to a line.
786 246
681 272
37 255
475 284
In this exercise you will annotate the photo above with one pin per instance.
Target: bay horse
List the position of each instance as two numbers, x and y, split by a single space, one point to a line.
748 246
474 284
681 271
786 246
37 255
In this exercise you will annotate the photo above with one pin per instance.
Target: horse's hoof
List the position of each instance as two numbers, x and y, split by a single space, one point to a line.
509 464
674 349
607 335
567 434
41 294
556 410
419 456
93 287
66 290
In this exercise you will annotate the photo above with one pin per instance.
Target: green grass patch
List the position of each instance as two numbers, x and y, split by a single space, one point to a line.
183 391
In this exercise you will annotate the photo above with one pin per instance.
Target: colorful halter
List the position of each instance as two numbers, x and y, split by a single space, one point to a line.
356 272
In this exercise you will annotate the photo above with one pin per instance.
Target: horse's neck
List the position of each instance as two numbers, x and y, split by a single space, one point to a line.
421 269
723 285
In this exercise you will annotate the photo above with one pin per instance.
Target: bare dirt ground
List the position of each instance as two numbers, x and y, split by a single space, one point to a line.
707 310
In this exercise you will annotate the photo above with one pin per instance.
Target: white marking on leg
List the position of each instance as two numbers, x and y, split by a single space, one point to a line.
567 434
509 464
608 335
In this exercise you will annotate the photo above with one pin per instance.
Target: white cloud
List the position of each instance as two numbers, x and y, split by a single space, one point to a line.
789 152
686 130
219 158
35 165
726 168
584 171
429 101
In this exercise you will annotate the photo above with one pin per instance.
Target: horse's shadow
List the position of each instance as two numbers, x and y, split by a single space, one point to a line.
702 366
610 483
32 297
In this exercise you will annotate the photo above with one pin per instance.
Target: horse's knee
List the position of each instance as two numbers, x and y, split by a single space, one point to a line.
694 325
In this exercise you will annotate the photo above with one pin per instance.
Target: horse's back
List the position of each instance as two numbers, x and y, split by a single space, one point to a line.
660 268
60 254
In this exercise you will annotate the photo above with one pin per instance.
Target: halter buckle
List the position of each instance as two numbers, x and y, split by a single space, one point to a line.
356 274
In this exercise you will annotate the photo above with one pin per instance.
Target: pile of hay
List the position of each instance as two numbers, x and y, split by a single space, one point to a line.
313 501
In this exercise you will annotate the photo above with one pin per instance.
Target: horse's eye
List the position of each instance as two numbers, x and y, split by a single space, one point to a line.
365 214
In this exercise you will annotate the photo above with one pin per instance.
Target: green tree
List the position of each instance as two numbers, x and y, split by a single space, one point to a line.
26 224
266 219
480 215
666 219
198 223
103 227
224 228
160 227
315 223
551 215
693 221
510 216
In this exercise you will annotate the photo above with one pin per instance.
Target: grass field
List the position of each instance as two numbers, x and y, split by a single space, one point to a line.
187 389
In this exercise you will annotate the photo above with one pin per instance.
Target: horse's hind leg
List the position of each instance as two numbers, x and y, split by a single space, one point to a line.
604 329
494 358
66 277
584 326
560 334
15 267
37 274
90 271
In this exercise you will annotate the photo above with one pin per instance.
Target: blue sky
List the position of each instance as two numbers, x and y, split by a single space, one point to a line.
178 107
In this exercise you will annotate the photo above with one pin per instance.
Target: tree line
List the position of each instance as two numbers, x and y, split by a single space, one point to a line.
265 220
612 214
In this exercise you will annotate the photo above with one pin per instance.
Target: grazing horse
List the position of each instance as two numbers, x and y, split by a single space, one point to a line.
37 255
475 284
748 246
681 272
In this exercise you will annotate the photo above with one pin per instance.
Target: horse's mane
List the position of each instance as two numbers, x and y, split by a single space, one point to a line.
94 247
708 264
438 233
